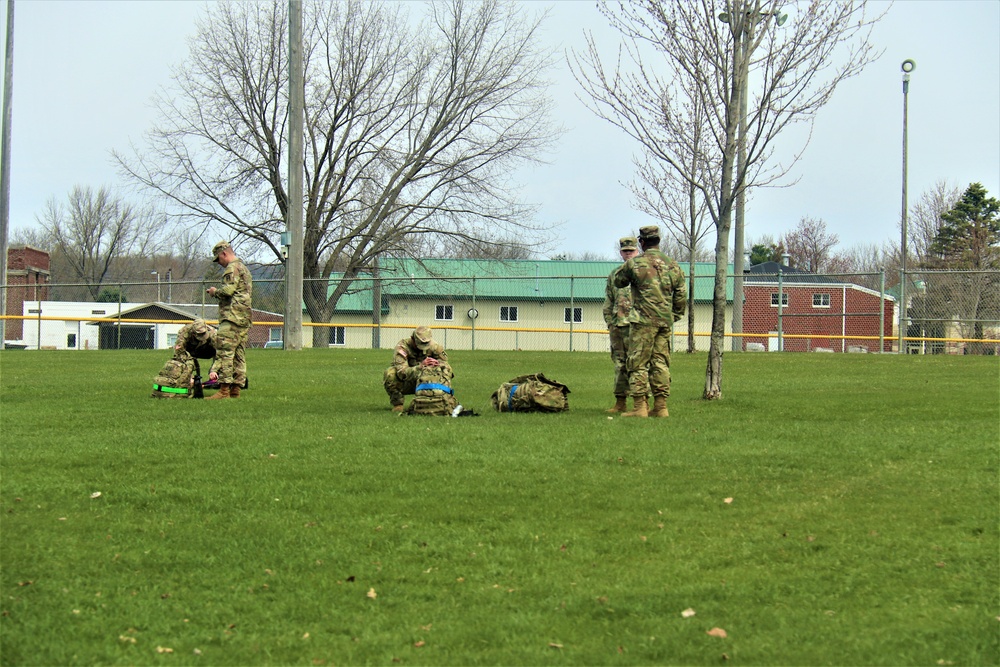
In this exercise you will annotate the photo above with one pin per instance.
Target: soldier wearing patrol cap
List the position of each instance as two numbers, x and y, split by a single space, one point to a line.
617 305
659 298
419 349
235 312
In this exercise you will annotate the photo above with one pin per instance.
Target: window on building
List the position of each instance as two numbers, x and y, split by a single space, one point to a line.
274 333
784 299
821 300
337 335
508 313
71 341
575 313
444 312
171 340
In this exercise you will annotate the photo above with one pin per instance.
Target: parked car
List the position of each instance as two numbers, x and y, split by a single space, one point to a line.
274 345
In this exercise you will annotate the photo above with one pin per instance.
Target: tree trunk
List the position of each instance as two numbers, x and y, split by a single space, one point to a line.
713 373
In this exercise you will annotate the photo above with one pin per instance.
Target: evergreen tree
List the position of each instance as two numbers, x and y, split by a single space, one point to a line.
969 237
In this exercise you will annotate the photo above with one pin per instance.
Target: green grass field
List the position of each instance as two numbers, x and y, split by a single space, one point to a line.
831 509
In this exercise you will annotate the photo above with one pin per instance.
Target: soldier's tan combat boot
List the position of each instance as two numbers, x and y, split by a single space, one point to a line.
620 405
234 390
659 407
641 408
222 393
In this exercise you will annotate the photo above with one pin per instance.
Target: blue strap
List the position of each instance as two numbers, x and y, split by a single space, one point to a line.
510 398
431 385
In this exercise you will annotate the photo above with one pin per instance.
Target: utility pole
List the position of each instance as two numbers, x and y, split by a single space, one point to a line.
907 67
8 89
292 334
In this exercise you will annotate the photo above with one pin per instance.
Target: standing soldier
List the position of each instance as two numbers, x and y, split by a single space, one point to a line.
411 353
617 305
234 321
659 298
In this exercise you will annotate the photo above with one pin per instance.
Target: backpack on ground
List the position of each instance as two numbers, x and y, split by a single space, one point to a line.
175 379
434 395
531 393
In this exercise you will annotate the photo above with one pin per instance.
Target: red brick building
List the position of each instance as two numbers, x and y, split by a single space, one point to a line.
27 280
817 313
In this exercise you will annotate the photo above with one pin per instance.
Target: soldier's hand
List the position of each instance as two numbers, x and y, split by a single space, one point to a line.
430 361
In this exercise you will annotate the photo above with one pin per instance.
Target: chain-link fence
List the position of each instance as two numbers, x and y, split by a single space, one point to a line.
788 310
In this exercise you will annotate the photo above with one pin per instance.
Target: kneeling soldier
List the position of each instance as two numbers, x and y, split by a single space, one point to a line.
410 354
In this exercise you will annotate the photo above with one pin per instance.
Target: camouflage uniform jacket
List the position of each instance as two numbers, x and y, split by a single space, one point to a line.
235 294
196 339
617 302
659 295
407 358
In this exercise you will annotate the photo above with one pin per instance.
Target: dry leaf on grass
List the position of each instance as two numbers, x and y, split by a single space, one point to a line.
95 494
717 632
372 594
164 649
688 613
728 501
555 645
419 643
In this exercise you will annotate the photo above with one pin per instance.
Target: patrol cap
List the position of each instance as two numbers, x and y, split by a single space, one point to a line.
628 243
649 232
218 248
422 337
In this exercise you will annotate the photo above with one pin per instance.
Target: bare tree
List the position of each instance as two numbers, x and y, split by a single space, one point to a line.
410 130
93 232
673 46
924 221
810 246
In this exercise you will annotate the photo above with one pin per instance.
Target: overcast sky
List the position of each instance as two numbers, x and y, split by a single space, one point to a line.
84 73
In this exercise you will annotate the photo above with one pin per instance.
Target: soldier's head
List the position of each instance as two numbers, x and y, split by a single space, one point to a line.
649 236
421 337
223 253
628 247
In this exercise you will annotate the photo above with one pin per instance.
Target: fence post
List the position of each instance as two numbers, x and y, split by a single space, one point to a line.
881 310
474 311
121 288
781 342
901 338
571 313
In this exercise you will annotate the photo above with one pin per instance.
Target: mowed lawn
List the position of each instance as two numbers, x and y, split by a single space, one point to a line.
830 510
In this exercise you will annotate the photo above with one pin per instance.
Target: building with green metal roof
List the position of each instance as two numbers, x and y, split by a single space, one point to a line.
484 304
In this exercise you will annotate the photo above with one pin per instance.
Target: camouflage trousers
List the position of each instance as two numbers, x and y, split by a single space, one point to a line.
619 355
649 360
397 388
230 353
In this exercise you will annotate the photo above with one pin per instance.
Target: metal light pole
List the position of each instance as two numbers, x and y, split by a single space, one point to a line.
156 273
744 36
908 66
292 333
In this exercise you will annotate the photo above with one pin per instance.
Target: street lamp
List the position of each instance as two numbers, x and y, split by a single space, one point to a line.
154 273
743 37
908 66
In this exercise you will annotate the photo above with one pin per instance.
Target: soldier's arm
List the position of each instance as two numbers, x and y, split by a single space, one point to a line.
230 281
680 294
623 277
609 302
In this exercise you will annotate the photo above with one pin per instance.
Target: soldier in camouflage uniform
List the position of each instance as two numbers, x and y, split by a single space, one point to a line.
195 339
235 312
410 354
659 298
617 305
